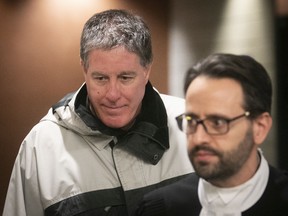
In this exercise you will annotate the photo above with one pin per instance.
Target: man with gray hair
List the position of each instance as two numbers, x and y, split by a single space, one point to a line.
100 149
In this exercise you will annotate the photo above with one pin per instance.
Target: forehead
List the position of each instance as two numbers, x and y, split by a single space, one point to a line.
118 56
213 95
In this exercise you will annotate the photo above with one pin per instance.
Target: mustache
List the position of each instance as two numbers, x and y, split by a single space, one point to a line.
196 149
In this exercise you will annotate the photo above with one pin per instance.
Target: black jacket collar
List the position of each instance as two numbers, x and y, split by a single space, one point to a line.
148 138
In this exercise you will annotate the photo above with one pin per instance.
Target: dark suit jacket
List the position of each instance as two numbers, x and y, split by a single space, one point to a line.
181 198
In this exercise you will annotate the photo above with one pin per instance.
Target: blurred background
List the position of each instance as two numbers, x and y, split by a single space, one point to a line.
39 55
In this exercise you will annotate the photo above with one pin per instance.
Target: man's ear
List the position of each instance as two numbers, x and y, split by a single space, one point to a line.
83 66
261 127
147 72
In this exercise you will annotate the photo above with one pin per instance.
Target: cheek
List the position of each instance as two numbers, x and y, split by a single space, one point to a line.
237 136
229 143
94 93
189 143
135 91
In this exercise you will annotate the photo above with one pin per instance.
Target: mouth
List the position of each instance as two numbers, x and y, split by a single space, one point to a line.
203 155
113 109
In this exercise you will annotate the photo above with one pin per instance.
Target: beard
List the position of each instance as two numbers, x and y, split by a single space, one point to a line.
229 162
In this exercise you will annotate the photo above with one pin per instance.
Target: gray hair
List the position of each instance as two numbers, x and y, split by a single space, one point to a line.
115 28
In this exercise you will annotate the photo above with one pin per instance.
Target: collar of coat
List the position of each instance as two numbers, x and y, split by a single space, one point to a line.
148 138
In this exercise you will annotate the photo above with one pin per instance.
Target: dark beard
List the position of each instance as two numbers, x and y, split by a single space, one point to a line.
229 162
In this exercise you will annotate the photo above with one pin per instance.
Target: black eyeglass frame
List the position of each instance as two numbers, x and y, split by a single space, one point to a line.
180 118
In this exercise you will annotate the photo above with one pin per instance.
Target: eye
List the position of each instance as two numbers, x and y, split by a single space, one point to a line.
190 120
98 77
216 122
126 78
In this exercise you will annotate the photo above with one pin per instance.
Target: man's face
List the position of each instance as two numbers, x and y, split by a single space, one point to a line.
116 85
218 158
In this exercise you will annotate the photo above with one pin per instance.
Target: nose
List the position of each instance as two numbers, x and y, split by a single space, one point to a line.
199 137
113 91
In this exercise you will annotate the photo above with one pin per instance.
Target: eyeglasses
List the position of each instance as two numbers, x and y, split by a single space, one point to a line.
213 125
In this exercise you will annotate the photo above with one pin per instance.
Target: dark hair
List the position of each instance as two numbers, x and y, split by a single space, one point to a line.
114 28
250 74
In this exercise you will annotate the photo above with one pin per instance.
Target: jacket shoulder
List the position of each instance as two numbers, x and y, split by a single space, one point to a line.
174 105
278 179
274 200
184 186
179 198
172 100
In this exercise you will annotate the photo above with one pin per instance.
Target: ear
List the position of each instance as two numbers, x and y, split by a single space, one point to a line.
83 66
147 72
261 127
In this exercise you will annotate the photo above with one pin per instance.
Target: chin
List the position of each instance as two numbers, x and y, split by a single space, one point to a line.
115 123
116 126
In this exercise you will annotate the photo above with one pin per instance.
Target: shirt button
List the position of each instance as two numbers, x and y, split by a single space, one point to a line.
155 157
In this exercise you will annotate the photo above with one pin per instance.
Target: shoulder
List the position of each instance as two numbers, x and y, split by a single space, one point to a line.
170 100
174 105
278 181
279 174
182 187
274 200
179 198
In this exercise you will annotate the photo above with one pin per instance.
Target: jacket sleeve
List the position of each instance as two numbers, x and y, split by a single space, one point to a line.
23 195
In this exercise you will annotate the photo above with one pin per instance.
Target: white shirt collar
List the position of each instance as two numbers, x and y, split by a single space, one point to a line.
232 201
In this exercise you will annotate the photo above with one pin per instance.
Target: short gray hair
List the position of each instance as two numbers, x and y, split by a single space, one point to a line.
115 28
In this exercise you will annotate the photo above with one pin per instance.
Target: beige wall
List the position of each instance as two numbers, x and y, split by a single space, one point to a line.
39 60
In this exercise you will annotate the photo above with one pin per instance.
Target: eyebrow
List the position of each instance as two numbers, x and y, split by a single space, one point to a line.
208 116
128 73
121 73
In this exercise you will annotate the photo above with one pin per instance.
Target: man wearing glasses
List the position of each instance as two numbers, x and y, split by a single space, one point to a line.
227 118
